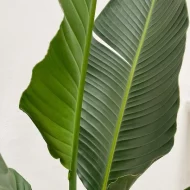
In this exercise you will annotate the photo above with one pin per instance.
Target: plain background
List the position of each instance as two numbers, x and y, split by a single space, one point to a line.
26 28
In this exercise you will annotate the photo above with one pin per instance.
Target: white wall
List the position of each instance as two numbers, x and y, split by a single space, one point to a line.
26 28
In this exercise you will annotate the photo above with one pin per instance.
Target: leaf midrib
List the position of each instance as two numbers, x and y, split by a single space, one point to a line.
126 96
81 87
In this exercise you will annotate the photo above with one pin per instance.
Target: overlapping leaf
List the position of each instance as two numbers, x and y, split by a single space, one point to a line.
53 99
10 179
131 97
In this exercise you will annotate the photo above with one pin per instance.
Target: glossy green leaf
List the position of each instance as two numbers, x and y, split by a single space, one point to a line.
131 93
53 99
10 179
188 188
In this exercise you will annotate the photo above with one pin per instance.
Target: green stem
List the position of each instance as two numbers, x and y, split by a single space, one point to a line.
72 180
73 172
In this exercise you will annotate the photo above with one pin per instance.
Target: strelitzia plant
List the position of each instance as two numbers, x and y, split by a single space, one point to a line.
108 109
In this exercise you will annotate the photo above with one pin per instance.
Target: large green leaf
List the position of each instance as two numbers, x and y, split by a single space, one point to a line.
131 93
188 188
10 179
53 99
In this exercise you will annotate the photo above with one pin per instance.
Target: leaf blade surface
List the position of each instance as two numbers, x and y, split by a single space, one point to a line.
131 98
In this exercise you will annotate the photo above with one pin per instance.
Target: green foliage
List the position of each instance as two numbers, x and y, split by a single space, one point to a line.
10 179
131 97
53 99
130 103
